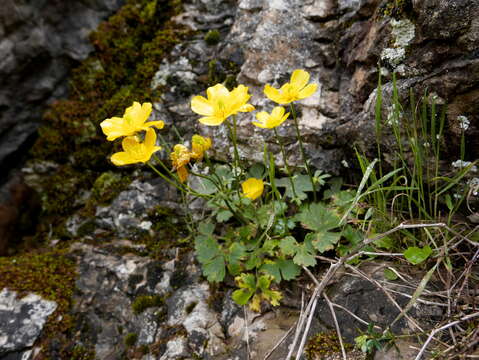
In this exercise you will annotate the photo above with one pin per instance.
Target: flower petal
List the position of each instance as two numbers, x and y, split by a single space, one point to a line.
201 106
182 173
130 143
246 108
299 79
217 91
158 124
122 158
150 139
308 91
273 94
277 112
211 120
252 188
137 114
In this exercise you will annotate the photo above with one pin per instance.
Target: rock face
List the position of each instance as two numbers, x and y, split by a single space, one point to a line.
22 321
39 43
181 323
341 44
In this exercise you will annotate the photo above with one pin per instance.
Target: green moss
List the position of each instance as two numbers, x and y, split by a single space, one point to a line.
57 193
130 339
50 275
212 37
324 344
397 9
108 185
129 48
79 352
222 72
144 302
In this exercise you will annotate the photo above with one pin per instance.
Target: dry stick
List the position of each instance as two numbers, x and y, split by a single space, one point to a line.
301 321
336 266
466 270
279 343
388 295
308 325
246 332
364 322
338 330
447 326
333 313
286 335
419 300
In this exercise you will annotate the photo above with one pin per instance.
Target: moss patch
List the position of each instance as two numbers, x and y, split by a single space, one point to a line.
129 48
144 302
52 276
212 37
324 344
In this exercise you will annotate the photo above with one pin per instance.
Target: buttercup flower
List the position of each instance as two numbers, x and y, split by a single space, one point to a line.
133 120
221 103
199 145
269 121
252 188
297 89
136 151
180 157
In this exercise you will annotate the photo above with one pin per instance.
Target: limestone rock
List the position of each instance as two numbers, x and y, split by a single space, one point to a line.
39 43
22 321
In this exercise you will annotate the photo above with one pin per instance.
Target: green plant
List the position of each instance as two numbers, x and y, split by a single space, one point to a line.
416 186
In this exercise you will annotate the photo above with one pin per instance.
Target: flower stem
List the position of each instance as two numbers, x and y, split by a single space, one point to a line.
283 152
301 147
236 159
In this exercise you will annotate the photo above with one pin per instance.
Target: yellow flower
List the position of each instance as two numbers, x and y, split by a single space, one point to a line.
180 156
269 121
297 89
221 103
199 145
133 120
136 151
182 173
252 188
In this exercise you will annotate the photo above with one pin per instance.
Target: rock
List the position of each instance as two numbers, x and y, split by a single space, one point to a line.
39 43
21 321
340 43
19 209
355 294
130 210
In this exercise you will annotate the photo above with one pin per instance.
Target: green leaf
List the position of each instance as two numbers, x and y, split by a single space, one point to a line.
288 245
384 243
204 186
302 184
270 245
417 255
223 215
304 255
235 254
224 173
257 171
353 236
281 269
206 248
317 217
449 204
289 270
214 270
390 275
272 269
323 240
206 228
241 296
